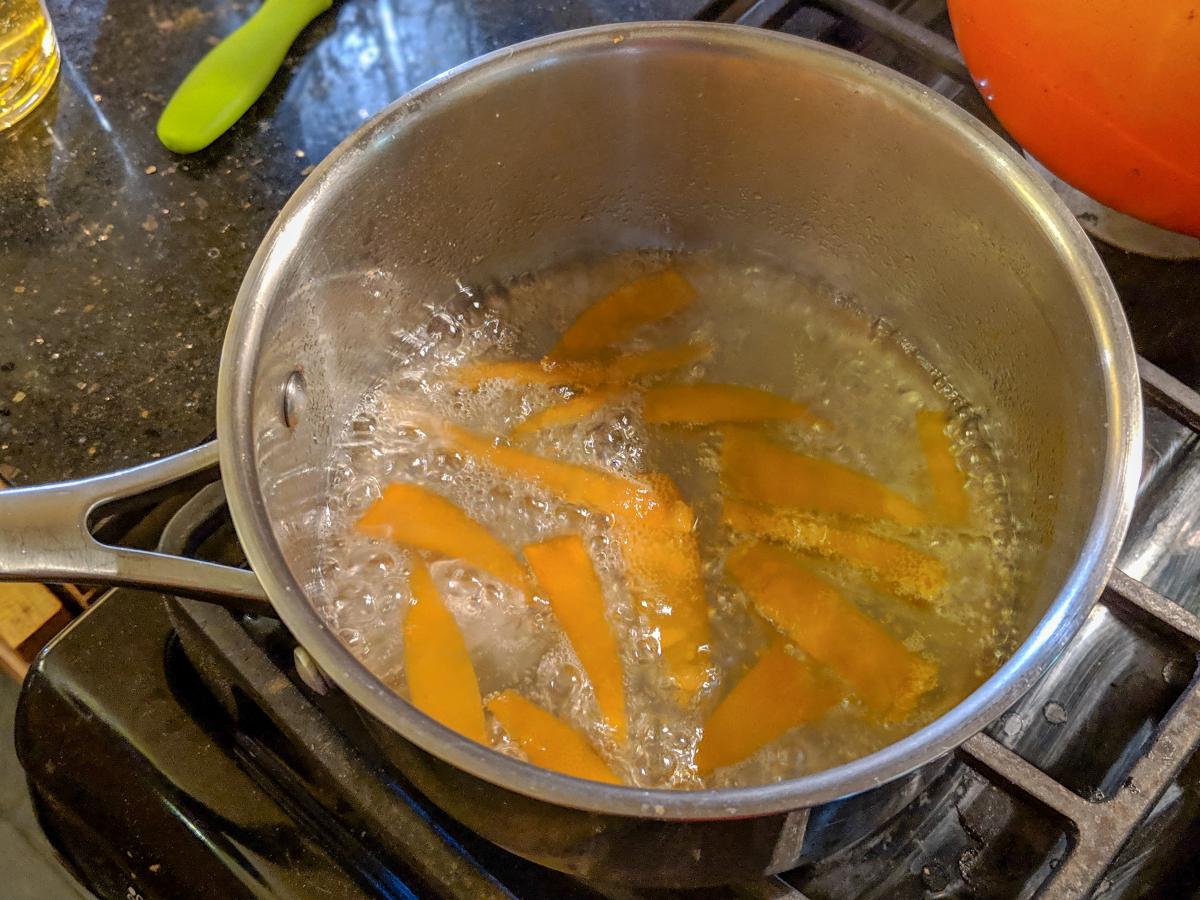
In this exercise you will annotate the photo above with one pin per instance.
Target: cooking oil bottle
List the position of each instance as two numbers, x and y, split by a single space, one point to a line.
29 58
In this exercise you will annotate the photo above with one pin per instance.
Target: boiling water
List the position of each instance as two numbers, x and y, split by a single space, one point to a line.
770 329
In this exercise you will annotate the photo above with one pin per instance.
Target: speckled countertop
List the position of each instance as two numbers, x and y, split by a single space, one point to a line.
119 261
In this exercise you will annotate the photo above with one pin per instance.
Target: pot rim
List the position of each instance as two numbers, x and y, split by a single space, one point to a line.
1122 459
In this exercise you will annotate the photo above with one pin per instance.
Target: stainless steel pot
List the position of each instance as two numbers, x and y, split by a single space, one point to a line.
654 135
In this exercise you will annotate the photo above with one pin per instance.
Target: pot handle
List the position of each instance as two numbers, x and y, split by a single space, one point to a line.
45 535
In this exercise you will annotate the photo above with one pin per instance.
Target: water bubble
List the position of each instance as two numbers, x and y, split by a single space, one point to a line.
646 647
363 423
361 494
563 682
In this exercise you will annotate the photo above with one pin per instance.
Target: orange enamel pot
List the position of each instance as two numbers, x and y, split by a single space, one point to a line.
1104 93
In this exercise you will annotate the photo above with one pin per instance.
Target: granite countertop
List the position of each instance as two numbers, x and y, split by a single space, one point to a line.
119 261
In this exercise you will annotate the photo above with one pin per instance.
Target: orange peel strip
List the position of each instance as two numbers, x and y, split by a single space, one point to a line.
707 404
441 679
616 316
547 740
417 517
584 486
654 527
761 470
663 563
950 502
519 371
633 366
777 694
907 573
585 373
567 413
565 572
888 677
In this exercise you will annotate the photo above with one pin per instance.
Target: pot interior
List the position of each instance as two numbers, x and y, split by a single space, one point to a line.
692 138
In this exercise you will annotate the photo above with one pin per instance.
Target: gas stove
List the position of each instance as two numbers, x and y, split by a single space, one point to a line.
220 763
174 750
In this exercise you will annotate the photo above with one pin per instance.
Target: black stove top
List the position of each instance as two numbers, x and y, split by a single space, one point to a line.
176 751
149 785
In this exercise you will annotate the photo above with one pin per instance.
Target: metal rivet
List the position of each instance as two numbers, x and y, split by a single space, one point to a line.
295 398
310 673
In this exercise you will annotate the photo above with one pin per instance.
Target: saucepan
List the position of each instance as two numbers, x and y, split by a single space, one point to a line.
677 136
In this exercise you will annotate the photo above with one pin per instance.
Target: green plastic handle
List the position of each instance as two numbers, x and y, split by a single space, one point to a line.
231 76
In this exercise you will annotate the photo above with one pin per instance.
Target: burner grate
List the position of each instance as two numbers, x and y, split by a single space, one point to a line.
1100 828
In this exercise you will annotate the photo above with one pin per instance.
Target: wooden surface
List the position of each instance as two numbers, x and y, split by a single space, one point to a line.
11 664
29 616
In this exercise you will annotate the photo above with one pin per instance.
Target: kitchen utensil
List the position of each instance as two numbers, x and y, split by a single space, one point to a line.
671 135
233 74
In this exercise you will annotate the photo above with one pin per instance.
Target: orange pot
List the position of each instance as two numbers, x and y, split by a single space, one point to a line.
1105 93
